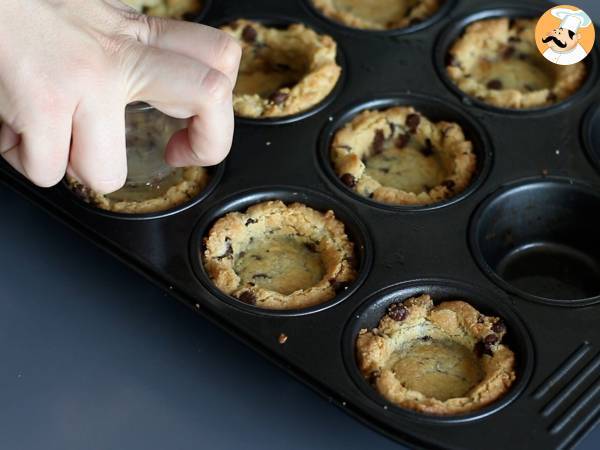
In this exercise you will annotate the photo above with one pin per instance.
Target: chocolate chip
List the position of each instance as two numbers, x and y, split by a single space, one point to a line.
449 184
249 34
552 97
482 349
247 297
494 84
397 312
426 338
373 376
427 150
279 97
413 121
490 339
261 275
378 140
529 88
499 327
514 39
251 221
508 52
228 250
402 140
480 318
311 247
349 180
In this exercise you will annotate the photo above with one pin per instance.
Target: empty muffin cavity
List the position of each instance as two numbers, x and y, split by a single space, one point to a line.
380 15
279 256
398 156
284 71
497 62
538 239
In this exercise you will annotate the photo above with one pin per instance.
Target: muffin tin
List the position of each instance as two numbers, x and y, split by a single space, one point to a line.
534 199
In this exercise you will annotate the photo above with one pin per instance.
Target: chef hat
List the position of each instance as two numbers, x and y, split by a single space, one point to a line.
572 20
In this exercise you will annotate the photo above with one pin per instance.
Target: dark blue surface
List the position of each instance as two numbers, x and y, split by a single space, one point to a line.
95 357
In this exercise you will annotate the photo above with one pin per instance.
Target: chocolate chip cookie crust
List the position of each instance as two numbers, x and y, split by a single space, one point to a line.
176 9
279 256
380 15
497 62
397 156
190 182
441 360
284 71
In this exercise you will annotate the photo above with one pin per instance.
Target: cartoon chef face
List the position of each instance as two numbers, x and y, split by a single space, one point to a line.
562 40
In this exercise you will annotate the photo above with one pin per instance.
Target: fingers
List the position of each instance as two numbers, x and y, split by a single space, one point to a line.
208 45
185 88
41 151
98 156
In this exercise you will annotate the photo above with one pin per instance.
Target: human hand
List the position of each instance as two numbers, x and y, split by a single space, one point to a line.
69 67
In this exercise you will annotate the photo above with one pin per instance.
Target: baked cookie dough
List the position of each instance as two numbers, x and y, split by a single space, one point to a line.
444 360
283 71
279 256
177 188
151 185
175 9
497 62
397 156
378 15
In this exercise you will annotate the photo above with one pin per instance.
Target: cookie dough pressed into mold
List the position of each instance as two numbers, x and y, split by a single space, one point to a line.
497 62
284 71
279 256
443 360
175 9
397 156
378 15
152 185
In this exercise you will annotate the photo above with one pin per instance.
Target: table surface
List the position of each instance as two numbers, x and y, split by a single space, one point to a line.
95 357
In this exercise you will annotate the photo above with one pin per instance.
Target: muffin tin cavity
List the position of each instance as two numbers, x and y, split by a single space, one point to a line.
288 70
405 152
539 240
381 17
507 72
271 271
152 188
591 134
192 10
441 367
